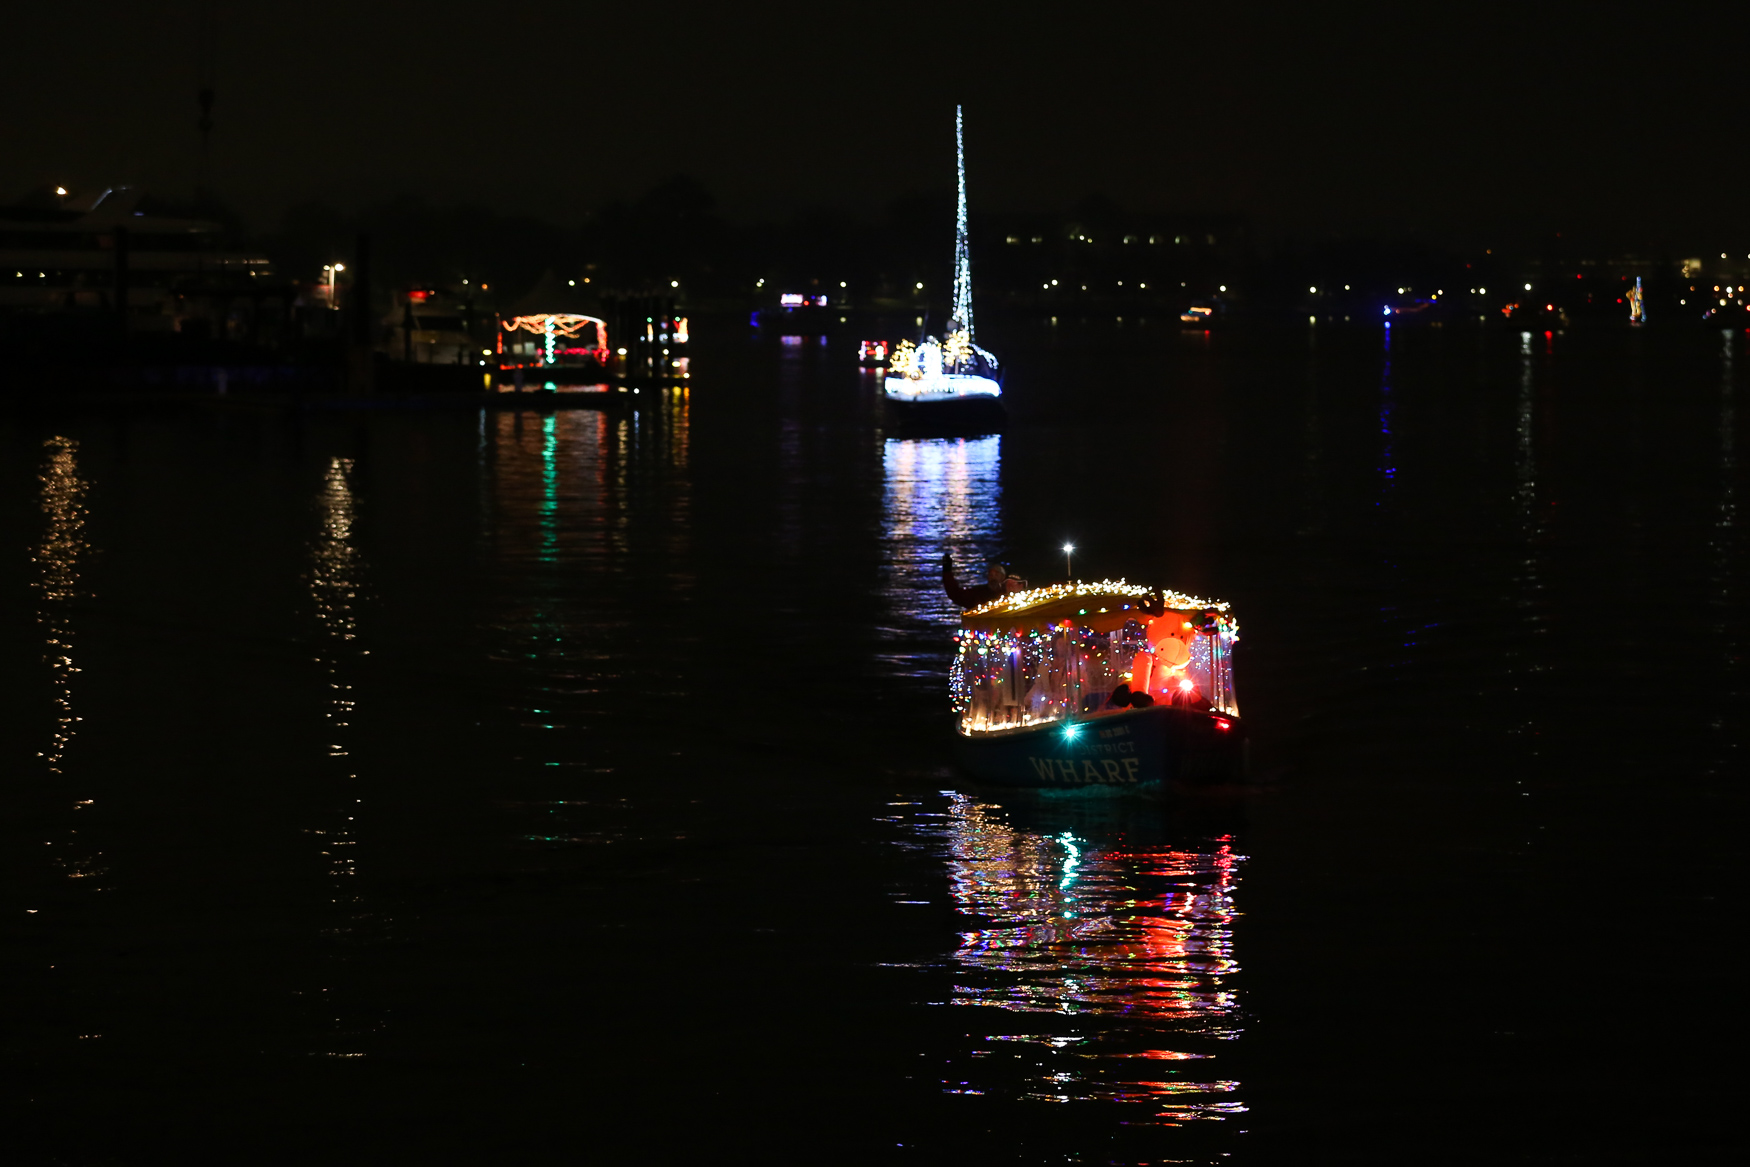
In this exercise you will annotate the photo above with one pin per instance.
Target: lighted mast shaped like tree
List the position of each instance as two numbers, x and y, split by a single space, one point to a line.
962 320
960 354
956 354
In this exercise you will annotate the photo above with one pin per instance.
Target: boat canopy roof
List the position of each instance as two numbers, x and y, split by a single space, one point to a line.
1103 607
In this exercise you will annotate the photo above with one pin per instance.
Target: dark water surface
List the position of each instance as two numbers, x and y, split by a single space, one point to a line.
546 787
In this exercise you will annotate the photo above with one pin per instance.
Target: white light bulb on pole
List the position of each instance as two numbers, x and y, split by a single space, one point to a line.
1068 550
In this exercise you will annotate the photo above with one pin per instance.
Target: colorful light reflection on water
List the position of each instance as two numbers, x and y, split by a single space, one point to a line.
1118 953
939 495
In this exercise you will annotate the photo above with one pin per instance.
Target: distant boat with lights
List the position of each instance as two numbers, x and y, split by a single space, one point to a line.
1098 685
950 381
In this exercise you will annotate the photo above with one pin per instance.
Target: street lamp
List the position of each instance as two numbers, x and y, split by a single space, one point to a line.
1068 550
333 269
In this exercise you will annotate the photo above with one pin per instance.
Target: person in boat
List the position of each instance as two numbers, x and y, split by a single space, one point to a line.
995 587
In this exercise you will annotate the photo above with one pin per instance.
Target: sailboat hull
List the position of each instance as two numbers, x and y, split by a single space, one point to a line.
949 416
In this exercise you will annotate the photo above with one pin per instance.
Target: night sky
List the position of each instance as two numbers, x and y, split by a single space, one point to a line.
1623 124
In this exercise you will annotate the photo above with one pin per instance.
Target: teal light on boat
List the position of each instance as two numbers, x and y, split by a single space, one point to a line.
1070 730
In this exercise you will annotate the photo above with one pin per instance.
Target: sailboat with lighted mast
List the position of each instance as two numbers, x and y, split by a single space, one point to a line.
950 380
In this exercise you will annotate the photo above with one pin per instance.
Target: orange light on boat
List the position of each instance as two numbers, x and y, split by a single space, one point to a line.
1142 671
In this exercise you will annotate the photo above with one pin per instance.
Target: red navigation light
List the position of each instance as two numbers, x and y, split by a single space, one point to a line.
1223 723
418 295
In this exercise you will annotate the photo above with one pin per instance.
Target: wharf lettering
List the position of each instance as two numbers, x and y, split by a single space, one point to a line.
1117 771
1106 749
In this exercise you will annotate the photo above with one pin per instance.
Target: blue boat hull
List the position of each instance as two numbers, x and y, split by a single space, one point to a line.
1138 749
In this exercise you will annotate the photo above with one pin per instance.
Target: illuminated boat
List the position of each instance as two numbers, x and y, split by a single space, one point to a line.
1104 684
948 380
547 343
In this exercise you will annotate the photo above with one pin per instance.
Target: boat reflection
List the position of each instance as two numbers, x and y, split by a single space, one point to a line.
939 494
600 496
561 483
1116 946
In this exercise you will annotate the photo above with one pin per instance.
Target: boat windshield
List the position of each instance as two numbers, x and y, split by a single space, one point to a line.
1020 668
